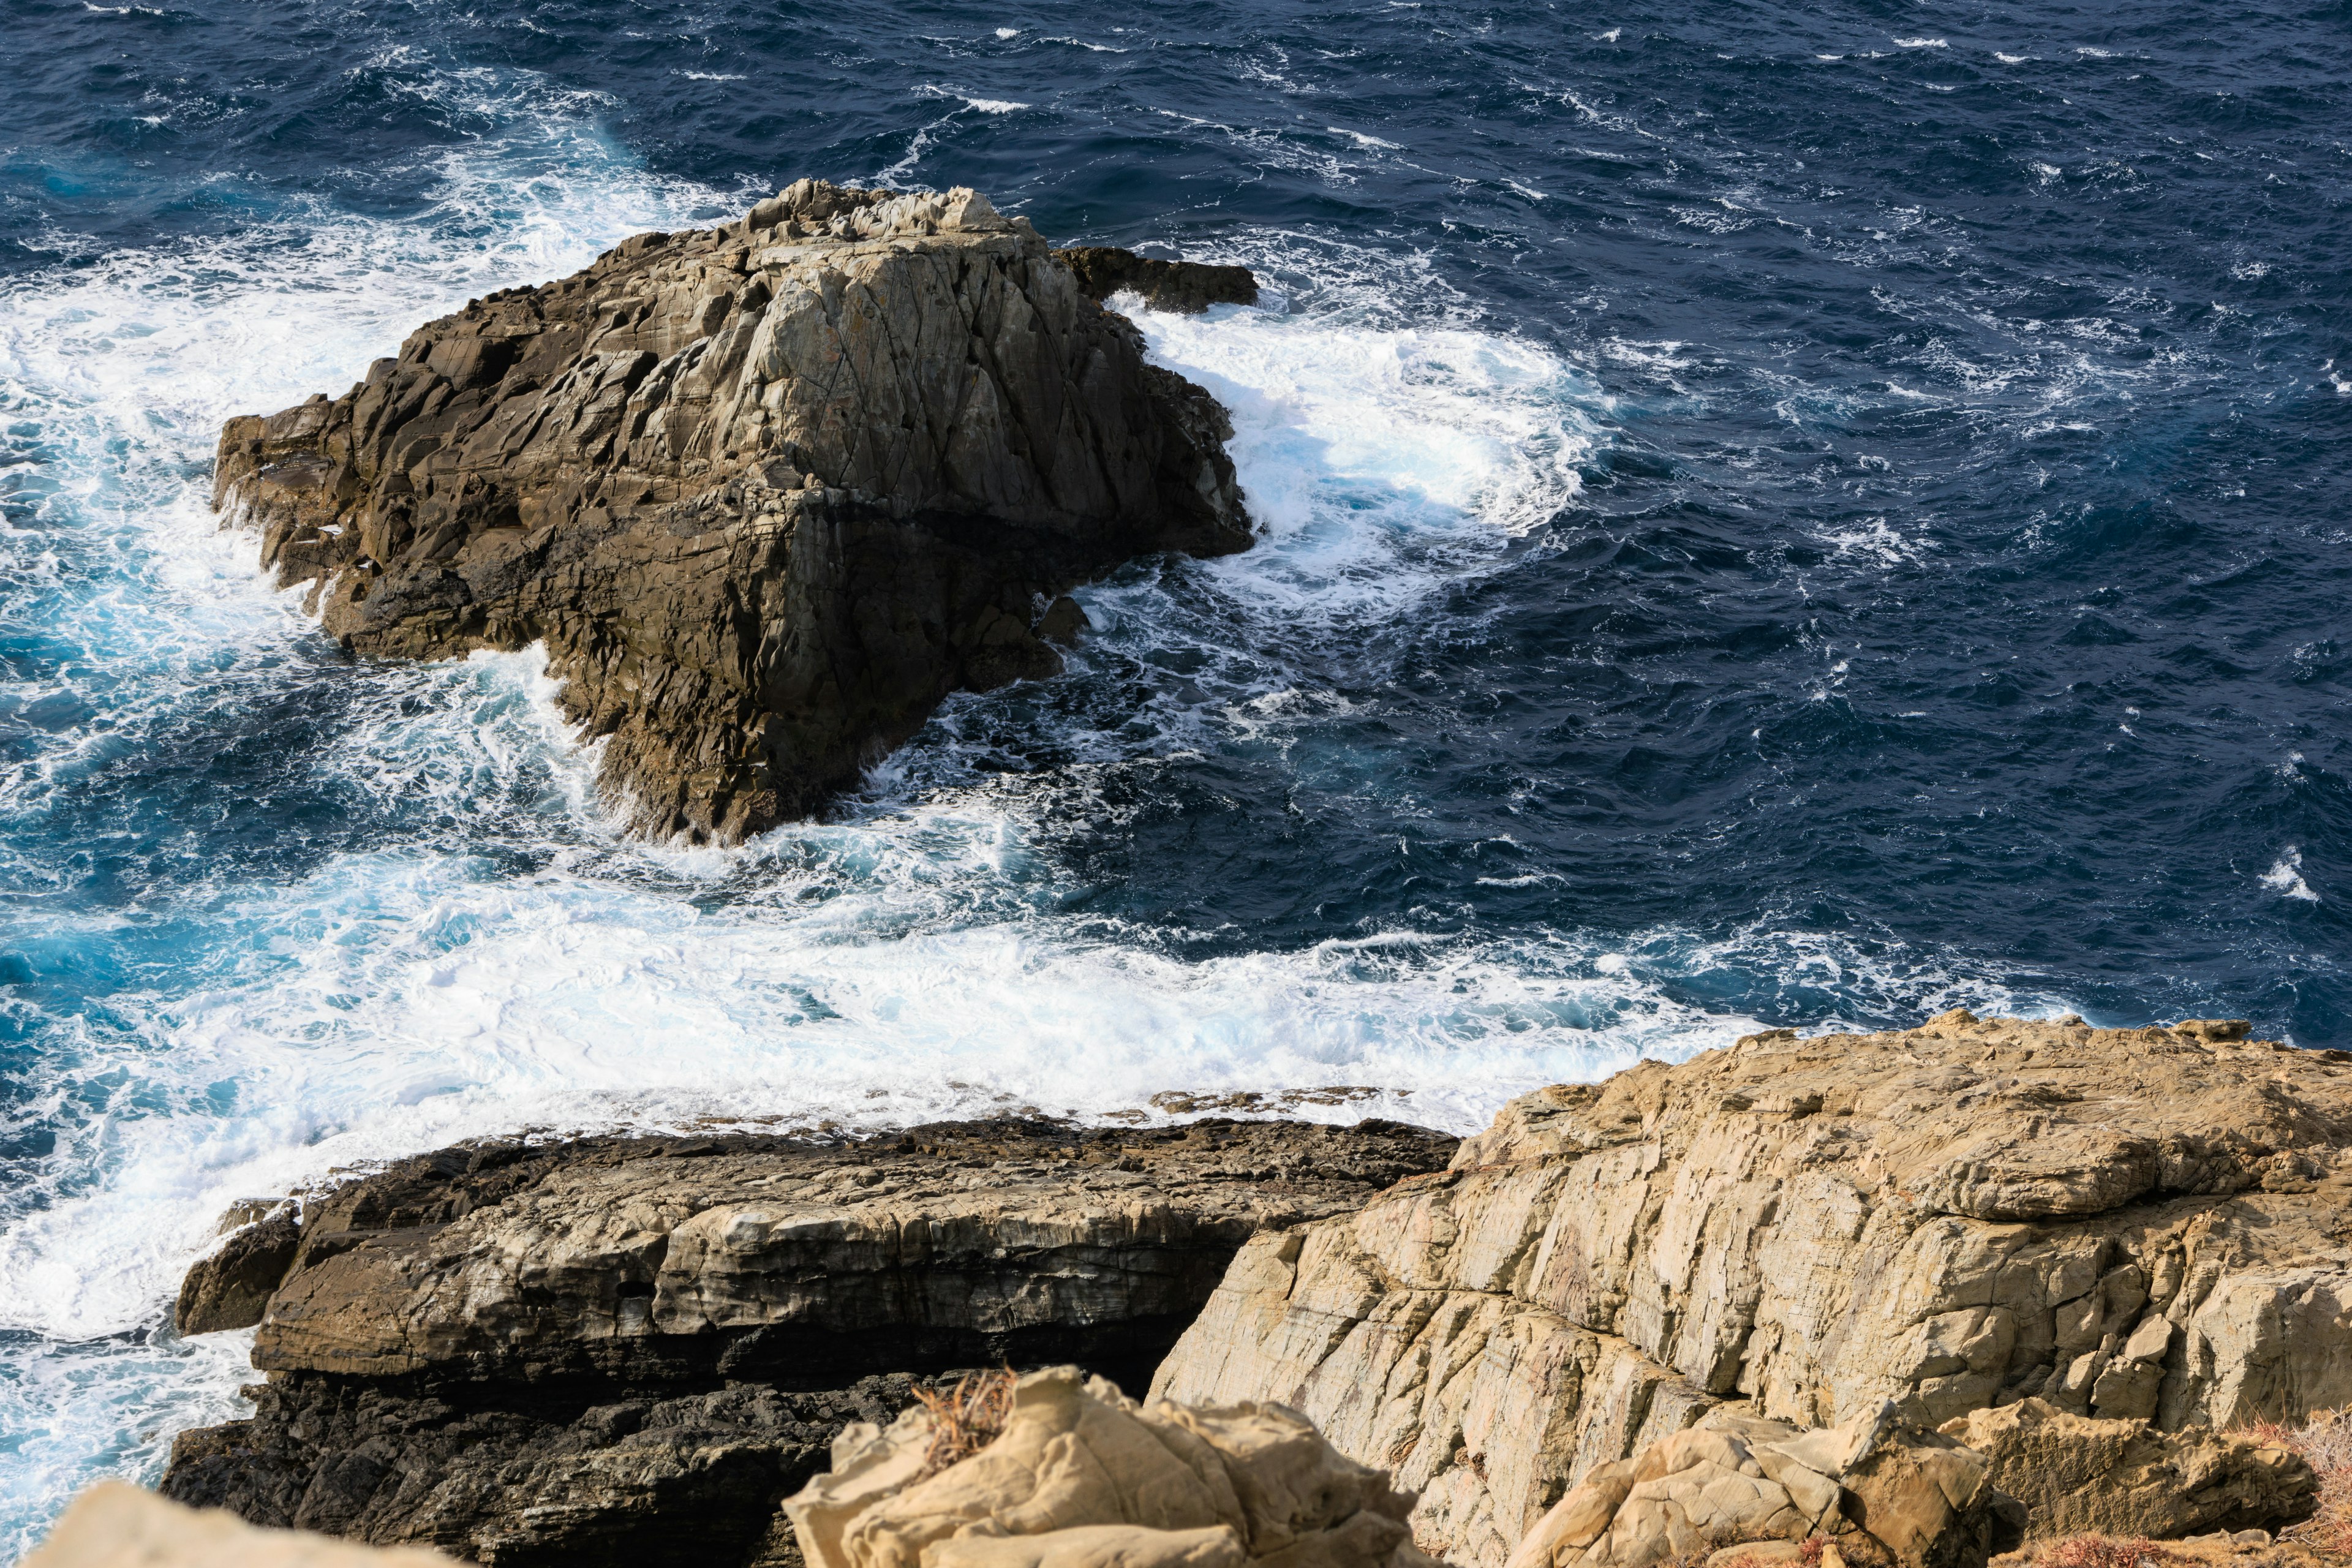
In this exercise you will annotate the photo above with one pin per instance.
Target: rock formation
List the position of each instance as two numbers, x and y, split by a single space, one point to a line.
1186 286
2079 1476
767 492
2140 1225
1880 1490
1082 1476
628 1350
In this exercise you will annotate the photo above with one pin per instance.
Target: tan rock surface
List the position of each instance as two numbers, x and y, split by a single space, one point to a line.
1081 1477
2131 1224
767 492
2080 1476
113 1524
1884 1489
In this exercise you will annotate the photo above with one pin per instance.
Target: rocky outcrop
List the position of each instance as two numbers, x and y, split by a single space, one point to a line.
628 1350
2133 1224
766 492
1082 1476
229 1287
2080 1476
1880 1490
1188 287
113 1524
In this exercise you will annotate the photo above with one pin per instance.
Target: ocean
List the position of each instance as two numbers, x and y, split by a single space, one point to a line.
1785 514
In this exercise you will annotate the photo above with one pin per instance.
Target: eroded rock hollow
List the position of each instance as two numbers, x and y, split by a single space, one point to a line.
766 492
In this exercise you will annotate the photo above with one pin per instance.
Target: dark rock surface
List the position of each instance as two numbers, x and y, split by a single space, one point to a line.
766 492
229 1288
628 1350
1188 287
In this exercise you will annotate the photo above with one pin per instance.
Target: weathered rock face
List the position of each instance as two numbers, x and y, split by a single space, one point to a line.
766 492
628 1350
1082 1476
1881 1490
2132 1224
2080 1476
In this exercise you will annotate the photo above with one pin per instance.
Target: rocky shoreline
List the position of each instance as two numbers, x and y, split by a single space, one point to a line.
621 1350
2082 1258
767 493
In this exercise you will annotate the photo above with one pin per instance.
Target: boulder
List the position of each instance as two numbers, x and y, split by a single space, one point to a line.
1879 1488
2133 1224
1082 1476
766 492
229 1287
626 1350
2080 1476
113 1524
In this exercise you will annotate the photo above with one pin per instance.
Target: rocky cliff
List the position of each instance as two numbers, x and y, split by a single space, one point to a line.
628 1350
766 492
2140 1226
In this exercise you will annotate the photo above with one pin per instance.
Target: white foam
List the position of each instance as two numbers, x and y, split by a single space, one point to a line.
2285 877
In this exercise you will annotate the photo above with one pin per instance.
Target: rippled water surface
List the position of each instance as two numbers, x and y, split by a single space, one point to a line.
1825 513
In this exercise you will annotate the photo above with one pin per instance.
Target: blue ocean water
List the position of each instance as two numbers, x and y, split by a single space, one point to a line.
1788 513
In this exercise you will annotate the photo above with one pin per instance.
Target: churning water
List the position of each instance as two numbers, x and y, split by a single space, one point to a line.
1827 515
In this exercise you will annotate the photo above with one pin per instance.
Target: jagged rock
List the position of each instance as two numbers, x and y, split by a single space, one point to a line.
2129 1223
766 492
113 1524
229 1288
1189 286
551 1471
628 1350
2079 1476
1881 1489
1082 1476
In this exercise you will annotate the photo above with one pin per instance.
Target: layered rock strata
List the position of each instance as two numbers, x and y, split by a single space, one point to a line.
628 1350
767 492
2138 1225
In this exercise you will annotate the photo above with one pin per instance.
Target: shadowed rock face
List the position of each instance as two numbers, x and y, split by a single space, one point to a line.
628 1350
767 492
2136 1225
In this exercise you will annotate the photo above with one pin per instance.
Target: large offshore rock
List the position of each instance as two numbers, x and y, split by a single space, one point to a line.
2135 1225
766 492
628 1350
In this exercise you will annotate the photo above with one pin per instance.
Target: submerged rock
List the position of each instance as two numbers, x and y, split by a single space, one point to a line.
2137 1225
628 1350
766 492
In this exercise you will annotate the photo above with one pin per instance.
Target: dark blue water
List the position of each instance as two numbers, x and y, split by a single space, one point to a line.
1824 512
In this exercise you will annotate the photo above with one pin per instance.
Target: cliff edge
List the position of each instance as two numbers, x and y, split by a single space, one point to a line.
2143 1228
